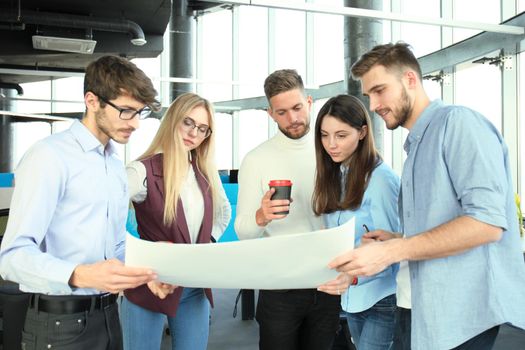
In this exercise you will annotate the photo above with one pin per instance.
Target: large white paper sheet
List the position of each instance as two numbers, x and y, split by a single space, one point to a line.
284 262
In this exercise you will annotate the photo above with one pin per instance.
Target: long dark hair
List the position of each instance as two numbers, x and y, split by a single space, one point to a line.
327 196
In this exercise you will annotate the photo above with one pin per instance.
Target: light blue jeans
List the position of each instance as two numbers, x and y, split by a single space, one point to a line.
373 329
142 329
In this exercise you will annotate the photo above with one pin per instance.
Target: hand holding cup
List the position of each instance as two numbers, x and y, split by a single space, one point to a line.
283 190
275 203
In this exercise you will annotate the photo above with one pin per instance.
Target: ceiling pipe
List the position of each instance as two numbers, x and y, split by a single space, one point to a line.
75 21
12 86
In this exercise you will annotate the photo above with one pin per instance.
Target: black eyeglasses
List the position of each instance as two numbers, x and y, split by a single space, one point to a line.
188 124
129 113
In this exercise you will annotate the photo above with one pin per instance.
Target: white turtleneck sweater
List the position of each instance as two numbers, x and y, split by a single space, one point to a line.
279 158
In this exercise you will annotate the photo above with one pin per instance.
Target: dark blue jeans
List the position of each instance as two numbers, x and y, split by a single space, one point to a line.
373 329
402 330
483 341
298 319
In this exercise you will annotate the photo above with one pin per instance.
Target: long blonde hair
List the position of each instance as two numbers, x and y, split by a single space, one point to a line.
175 156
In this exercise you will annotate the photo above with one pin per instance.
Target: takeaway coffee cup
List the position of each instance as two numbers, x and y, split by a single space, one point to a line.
283 190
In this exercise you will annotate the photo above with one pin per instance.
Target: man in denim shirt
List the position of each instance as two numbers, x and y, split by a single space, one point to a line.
457 208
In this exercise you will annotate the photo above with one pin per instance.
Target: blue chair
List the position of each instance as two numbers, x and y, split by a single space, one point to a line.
231 189
131 223
6 179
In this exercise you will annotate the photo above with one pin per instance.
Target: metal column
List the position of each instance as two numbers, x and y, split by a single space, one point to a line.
361 35
181 52
6 133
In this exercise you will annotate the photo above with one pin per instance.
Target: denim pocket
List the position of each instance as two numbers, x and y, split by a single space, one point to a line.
68 329
28 341
387 304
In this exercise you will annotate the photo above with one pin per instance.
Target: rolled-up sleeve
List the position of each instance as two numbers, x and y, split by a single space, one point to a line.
474 155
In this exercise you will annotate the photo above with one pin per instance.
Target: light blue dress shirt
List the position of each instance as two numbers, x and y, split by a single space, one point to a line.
458 165
378 210
69 207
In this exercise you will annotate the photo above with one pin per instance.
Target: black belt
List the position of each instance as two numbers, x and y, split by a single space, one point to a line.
71 304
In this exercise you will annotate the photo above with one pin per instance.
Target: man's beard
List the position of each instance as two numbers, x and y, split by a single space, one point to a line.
101 119
292 136
402 114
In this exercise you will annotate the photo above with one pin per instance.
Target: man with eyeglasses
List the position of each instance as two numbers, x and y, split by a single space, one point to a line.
297 318
64 242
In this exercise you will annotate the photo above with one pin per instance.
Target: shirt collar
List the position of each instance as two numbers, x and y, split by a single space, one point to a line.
421 124
295 143
88 141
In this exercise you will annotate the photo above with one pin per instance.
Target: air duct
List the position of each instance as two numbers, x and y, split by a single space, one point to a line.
76 21
12 86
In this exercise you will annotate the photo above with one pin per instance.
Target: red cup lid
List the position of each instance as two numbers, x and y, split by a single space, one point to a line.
274 183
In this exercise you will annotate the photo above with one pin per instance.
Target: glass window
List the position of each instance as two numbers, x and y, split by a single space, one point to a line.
253 50
217 56
142 137
328 54
253 130
478 86
490 12
25 134
59 126
318 104
152 68
521 121
290 40
387 25
387 146
69 89
223 140
432 88
424 39
36 90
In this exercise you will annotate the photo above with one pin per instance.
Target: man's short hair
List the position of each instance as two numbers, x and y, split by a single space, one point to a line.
394 57
111 76
282 80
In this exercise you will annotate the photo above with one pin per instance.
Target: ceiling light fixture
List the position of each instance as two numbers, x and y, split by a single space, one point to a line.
52 43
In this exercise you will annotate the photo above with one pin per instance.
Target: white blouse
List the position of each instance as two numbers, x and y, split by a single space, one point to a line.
191 197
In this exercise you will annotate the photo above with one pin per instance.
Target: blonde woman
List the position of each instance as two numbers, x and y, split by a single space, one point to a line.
177 195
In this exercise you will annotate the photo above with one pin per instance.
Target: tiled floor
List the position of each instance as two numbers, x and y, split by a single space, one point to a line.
228 333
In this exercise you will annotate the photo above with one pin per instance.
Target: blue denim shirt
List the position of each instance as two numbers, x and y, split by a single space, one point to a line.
378 210
458 165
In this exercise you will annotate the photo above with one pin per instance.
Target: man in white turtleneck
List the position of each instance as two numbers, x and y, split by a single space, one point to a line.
288 319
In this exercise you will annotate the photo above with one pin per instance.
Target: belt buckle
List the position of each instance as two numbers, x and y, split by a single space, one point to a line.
106 300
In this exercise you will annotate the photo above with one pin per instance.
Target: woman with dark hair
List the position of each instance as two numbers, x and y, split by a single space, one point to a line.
352 181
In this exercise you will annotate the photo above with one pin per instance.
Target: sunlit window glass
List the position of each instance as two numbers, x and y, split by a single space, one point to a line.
216 50
253 50
25 135
223 140
38 90
424 39
142 137
69 89
290 40
521 114
463 10
253 130
328 54
478 86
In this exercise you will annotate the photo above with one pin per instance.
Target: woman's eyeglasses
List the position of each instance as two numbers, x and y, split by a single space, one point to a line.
188 125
